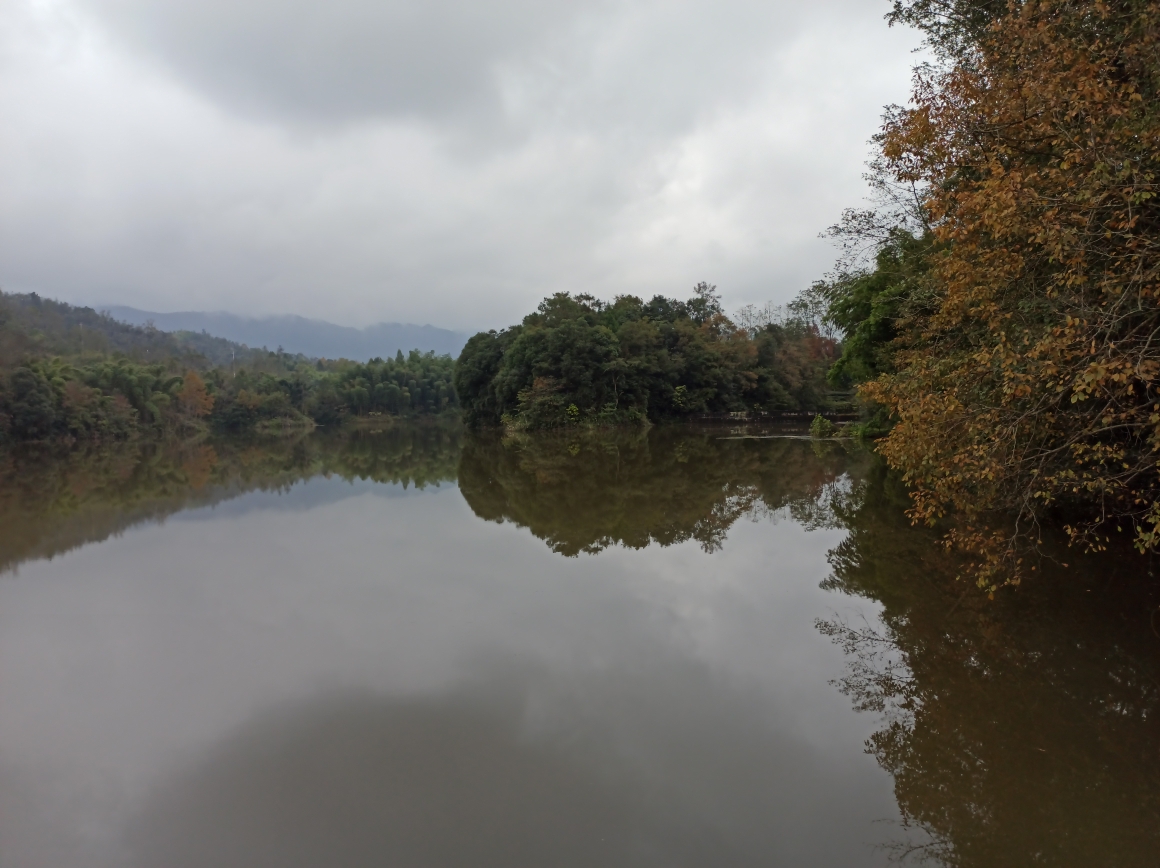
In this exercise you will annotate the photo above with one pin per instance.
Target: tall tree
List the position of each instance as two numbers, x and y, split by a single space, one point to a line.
193 398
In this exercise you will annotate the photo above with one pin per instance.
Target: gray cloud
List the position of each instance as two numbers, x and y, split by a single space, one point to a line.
446 161
342 59
643 63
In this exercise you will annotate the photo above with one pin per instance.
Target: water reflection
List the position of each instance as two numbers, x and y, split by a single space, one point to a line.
1023 731
311 673
584 492
521 766
317 674
579 493
53 500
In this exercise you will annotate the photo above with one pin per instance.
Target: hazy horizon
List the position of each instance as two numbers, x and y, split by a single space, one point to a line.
315 338
115 309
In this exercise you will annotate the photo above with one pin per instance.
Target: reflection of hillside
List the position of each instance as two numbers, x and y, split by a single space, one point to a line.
586 491
1023 731
580 493
53 502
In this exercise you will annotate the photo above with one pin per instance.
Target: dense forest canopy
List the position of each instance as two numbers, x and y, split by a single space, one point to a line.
69 372
579 360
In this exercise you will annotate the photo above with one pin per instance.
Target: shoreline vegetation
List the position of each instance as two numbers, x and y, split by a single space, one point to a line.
1000 304
578 361
73 375
997 310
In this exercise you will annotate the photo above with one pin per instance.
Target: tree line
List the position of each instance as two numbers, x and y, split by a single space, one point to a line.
71 373
578 360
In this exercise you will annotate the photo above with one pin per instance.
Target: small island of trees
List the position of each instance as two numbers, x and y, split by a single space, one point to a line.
578 360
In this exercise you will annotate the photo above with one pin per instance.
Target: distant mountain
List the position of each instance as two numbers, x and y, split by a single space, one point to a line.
297 334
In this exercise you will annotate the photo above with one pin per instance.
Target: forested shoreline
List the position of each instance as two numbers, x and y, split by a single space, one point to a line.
72 374
997 308
580 361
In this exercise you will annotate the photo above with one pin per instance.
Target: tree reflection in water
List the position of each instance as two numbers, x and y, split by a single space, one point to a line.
582 492
1019 731
53 500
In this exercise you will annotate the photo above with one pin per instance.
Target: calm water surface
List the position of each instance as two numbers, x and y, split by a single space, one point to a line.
423 648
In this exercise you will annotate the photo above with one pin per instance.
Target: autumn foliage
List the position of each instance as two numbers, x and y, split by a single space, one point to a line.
194 399
1025 373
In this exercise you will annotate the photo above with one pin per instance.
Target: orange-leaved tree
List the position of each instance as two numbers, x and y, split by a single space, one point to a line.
1025 377
194 399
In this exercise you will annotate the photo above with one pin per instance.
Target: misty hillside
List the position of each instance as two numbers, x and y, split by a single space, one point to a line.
36 327
297 334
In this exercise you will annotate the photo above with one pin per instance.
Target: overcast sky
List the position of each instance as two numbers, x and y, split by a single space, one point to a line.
442 161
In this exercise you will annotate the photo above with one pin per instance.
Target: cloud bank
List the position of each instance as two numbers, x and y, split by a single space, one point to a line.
442 161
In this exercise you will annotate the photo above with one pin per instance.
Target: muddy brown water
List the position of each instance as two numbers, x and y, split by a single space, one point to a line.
420 647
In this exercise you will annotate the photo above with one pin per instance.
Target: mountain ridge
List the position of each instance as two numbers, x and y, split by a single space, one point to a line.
297 334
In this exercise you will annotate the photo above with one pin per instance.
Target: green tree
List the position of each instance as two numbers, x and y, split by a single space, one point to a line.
629 360
31 404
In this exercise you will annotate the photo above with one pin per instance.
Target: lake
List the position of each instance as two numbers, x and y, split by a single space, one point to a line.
424 647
